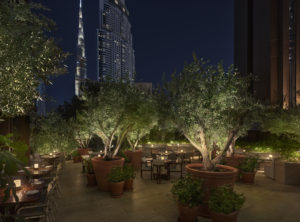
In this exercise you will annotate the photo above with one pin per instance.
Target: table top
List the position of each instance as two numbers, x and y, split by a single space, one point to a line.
47 156
23 197
40 171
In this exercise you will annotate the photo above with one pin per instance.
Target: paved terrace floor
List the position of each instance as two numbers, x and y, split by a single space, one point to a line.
267 201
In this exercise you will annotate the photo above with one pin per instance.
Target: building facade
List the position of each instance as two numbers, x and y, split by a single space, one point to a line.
81 72
267 44
115 50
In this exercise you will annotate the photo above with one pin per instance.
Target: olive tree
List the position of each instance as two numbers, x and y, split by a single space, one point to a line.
27 56
108 106
210 105
144 118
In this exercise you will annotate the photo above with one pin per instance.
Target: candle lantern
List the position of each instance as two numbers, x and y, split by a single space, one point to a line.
17 183
36 166
51 154
181 151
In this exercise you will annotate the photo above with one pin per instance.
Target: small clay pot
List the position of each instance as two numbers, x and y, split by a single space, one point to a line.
91 179
219 217
116 189
188 214
248 177
128 186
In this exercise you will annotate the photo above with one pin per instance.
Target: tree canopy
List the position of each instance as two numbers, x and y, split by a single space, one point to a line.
28 56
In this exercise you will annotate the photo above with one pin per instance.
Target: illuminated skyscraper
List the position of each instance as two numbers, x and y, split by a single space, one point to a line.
115 51
81 74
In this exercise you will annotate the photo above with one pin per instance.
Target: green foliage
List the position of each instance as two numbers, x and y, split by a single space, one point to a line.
145 117
123 155
75 153
28 56
283 145
52 133
210 105
283 122
116 175
225 200
18 148
188 191
250 164
89 166
109 110
9 166
129 172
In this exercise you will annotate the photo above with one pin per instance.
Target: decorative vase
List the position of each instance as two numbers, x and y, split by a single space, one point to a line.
116 189
211 180
220 217
102 168
187 214
128 186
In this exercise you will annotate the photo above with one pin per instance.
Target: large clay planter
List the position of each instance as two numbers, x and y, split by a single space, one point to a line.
211 180
102 168
91 179
248 177
235 161
135 158
187 214
219 217
116 189
128 186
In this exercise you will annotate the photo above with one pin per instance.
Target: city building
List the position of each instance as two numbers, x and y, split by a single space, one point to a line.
81 73
267 44
115 51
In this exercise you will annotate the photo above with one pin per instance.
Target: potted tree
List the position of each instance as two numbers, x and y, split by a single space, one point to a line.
116 179
108 106
225 204
91 178
210 105
248 169
129 175
76 156
144 118
188 192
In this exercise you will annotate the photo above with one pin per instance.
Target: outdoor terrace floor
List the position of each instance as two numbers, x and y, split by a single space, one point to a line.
267 201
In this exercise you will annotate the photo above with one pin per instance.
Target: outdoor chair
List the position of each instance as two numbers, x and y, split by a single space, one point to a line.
160 169
146 165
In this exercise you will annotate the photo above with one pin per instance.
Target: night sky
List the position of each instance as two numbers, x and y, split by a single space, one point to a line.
165 34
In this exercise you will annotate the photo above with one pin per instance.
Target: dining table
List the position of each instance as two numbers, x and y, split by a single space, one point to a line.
39 172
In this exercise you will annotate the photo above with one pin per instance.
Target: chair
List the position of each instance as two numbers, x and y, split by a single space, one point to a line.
42 210
160 169
146 165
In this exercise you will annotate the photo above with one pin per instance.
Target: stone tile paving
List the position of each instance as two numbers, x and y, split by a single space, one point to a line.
267 201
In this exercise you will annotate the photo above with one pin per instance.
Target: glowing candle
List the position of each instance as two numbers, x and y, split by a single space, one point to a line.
51 154
17 183
166 152
99 155
162 158
181 151
270 156
152 145
36 166
244 151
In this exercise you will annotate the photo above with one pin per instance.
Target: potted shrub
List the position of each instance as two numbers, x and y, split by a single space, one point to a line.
129 175
210 105
225 204
91 178
76 156
188 192
248 169
116 179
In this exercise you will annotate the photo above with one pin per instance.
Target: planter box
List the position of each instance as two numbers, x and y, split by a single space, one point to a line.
287 173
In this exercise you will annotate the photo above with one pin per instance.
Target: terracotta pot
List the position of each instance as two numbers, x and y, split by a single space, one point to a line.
116 189
187 214
128 186
248 177
84 151
76 159
102 168
211 180
219 217
91 179
235 161
135 158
